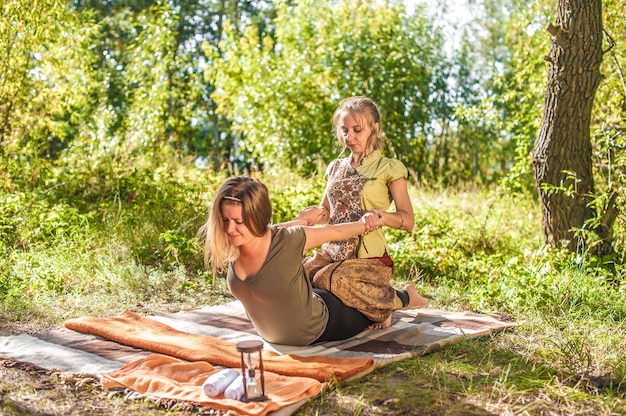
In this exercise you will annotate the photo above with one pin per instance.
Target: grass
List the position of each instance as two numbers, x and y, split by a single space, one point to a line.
473 250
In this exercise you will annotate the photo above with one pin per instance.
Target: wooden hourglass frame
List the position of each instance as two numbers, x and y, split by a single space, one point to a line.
252 391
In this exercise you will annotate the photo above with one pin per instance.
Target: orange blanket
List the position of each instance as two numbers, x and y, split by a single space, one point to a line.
169 378
135 330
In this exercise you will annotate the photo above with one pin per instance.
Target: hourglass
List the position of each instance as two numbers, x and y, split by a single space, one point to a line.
253 387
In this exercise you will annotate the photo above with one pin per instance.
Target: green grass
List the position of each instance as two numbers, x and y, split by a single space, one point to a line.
472 250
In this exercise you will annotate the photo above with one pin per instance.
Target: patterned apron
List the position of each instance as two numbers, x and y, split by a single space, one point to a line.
362 284
344 194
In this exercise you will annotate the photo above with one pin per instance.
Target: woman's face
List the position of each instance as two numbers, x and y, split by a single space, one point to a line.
238 233
355 133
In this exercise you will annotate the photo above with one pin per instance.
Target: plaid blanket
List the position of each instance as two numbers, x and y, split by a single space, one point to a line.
412 333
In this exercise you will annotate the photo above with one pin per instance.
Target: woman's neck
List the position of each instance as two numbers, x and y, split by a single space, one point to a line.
252 255
254 247
358 158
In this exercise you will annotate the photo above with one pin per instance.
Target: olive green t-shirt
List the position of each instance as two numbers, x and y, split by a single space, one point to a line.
279 299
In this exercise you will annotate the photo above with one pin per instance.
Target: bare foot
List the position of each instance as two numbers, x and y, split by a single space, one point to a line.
381 325
415 299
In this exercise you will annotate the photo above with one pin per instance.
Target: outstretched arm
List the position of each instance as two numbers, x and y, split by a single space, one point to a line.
316 236
292 223
313 215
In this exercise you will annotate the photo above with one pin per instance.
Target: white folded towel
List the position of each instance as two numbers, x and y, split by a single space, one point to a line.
235 390
218 382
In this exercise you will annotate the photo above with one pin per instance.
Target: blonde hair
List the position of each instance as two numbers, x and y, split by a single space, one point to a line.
365 111
256 212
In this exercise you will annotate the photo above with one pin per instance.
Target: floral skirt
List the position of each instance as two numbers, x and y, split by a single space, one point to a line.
362 284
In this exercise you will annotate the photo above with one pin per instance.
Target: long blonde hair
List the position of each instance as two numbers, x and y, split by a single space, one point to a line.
256 212
364 110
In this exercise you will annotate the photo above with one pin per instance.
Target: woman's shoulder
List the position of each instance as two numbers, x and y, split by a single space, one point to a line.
336 164
387 159
288 240
393 168
280 233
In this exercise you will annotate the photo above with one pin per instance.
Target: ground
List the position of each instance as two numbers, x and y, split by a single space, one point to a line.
29 390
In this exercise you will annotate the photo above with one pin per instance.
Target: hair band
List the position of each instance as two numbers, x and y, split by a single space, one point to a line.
232 198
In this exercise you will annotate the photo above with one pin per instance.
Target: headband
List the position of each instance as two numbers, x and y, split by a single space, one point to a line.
232 198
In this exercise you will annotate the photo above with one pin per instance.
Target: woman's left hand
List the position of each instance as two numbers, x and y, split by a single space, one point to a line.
312 215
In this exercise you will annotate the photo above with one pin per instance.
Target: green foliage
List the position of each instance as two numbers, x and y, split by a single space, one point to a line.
608 138
609 109
510 51
155 210
289 195
474 251
24 34
46 82
280 91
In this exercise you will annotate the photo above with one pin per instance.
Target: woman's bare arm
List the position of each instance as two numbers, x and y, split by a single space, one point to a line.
316 236
403 218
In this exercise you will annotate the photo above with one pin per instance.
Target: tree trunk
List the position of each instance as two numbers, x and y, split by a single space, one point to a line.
562 154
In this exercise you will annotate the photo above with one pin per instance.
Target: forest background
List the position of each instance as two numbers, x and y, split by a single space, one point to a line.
118 120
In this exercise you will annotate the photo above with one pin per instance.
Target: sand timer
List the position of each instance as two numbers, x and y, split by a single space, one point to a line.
253 385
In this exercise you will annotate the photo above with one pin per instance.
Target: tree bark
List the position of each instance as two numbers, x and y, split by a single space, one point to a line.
562 155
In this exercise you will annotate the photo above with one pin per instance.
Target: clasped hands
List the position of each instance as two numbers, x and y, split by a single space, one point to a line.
373 220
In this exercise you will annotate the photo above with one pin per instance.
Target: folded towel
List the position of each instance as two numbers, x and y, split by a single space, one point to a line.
135 330
218 382
169 378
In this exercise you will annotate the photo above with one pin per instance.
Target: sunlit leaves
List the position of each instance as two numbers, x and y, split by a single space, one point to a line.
505 57
44 86
280 92
28 30
609 115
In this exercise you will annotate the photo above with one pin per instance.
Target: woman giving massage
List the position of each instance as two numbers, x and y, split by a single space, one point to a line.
358 270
